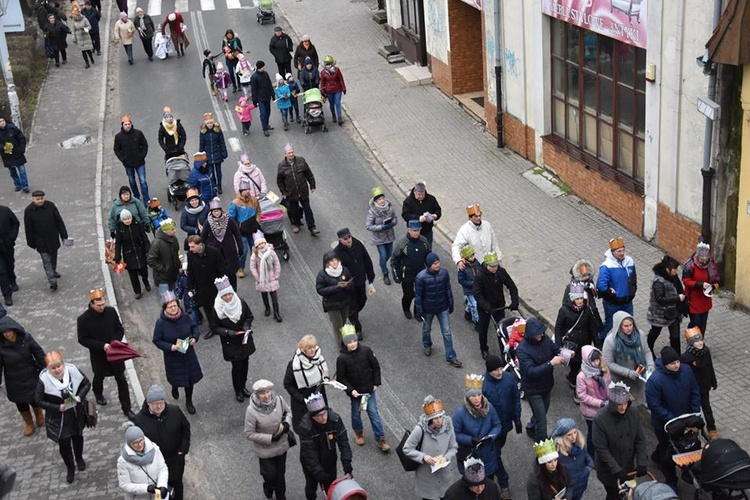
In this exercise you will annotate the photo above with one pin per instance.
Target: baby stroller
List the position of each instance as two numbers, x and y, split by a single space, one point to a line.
724 471
510 332
272 225
265 12
313 115
156 213
178 172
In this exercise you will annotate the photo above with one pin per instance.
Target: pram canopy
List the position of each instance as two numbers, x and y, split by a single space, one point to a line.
654 491
271 216
312 95
178 169
725 465
266 5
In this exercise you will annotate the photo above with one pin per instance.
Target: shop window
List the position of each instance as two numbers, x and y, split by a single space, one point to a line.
409 16
599 97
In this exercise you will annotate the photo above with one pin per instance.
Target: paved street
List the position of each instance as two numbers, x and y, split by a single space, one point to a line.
393 135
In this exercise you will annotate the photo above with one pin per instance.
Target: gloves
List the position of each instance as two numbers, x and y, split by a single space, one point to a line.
475 441
112 234
285 426
348 469
450 310
622 476
514 306
255 103
151 488
633 375
640 471
519 426
164 492
276 437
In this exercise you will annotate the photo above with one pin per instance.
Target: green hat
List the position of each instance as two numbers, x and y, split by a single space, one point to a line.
377 192
467 251
348 333
490 259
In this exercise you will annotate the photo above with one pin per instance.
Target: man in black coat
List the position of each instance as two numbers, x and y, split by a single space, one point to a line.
281 48
618 440
261 91
421 205
205 265
9 226
320 431
97 327
163 257
296 182
12 151
409 257
353 256
490 296
131 149
168 427
44 230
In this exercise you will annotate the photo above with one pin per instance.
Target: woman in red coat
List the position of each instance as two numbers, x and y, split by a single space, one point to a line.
332 86
701 279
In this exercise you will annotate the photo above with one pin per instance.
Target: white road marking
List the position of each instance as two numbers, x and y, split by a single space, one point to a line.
154 8
132 4
235 144
181 6
207 5
234 4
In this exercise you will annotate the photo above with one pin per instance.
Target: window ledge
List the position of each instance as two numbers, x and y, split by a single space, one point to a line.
590 162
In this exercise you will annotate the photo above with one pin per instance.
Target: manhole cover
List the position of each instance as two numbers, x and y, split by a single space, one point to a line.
76 142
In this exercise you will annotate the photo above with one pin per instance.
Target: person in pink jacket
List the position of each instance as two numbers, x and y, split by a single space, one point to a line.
243 110
266 269
592 387
250 171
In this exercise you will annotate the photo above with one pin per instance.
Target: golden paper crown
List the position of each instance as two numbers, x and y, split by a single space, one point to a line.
96 293
433 407
473 210
616 243
474 382
207 117
692 332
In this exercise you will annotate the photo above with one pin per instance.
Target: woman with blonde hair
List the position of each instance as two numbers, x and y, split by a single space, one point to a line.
61 393
266 269
571 447
304 376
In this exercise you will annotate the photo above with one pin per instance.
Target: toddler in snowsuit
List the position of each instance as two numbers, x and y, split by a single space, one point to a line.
222 80
466 280
283 99
294 90
698 357
243 110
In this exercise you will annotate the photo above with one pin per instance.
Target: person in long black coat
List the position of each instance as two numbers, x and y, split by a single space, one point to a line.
61 392
233 322
97 327
418 203
222 232
170 331
44 230
305 375
131 247
21 360
575 327
354 257
167 426
9 226
205 265
13 154
56 32
334 283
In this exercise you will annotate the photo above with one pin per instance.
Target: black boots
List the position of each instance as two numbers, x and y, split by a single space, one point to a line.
275 301
266 305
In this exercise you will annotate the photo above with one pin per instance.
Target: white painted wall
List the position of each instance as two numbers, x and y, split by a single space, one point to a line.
393 10
437 32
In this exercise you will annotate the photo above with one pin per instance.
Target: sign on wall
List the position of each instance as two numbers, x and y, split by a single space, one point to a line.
623 20
474 3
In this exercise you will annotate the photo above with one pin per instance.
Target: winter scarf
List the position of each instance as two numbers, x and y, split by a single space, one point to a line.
629 347
231 309
698 353
219 225
483 411
334 272
426 427
139 459
309 372
263 407
265 265
382 212
595 373
171 129
196 210
247 169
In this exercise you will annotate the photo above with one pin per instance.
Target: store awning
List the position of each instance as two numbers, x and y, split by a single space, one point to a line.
730 43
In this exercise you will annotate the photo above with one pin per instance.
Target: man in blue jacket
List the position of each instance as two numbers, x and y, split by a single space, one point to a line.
537 356
501 391
617 284
432 288
200 178
671 391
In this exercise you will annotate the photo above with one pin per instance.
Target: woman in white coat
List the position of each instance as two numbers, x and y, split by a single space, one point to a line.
141 469
626 353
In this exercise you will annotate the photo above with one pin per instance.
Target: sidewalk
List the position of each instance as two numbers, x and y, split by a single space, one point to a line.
419 133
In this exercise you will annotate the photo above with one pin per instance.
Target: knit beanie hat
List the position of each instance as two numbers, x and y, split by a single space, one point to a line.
155 393
123 16
132 433
668 355
125 214
564 426
432 257
493 362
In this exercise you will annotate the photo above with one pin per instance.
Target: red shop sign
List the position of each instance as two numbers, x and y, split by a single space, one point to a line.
623 20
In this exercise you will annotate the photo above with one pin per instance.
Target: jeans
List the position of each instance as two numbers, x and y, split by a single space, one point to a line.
247 244
609 310
297 208
215 172
141 171
129 52
384 253
231 65
484 324
372 413
294 110
443 318
501 474
284 115
539 404
18 174
49 261
470 306
699 320
163 288
264 109
334 101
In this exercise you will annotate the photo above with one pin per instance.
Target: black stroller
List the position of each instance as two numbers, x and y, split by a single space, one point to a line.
265 12
178 173
504 329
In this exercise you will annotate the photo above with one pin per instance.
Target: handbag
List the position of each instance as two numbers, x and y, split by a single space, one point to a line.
170 489
91 413
407 463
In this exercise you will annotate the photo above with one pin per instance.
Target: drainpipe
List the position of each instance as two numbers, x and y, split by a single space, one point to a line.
707 172
499 78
